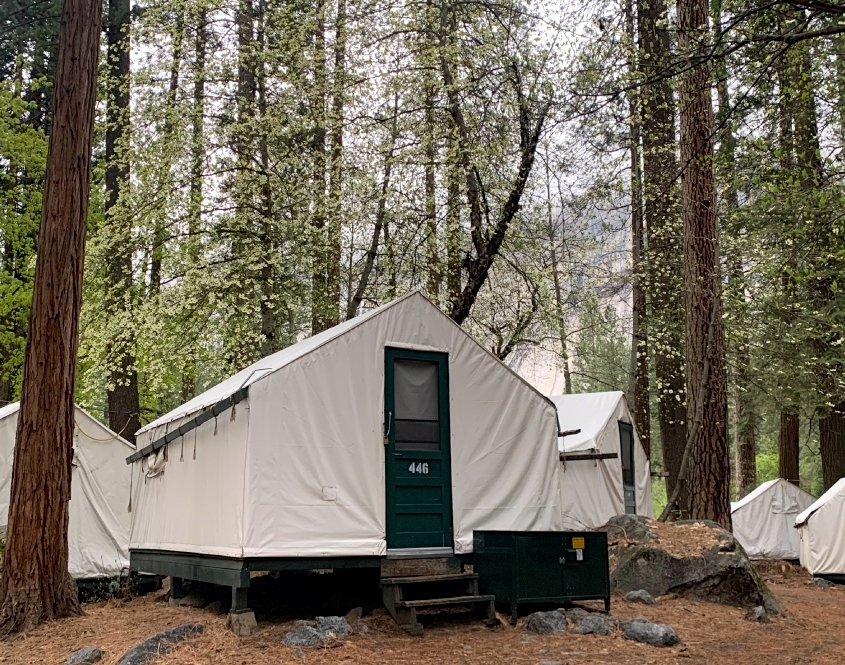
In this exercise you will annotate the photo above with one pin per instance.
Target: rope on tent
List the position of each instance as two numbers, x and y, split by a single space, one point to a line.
94 438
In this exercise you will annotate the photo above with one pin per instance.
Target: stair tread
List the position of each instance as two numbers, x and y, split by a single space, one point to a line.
433 602
415 579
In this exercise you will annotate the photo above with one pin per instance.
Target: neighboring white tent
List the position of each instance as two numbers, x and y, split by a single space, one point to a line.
764 520
98 528
821 530
593 488
302 455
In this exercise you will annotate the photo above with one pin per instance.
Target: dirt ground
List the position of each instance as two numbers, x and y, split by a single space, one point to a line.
811 632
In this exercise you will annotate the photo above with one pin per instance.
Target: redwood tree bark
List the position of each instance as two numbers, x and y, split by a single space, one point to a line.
36 585
707 407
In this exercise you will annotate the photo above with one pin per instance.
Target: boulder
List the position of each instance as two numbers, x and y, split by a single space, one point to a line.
698 560
546 623
757 614
633 528
822 582
85 656
640 596
333 626
648 632
593 624
304 636
159 644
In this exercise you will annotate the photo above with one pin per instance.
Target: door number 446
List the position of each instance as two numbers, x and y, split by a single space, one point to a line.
419 467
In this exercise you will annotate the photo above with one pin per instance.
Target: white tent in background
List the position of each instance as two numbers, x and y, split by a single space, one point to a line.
98 528
393 431
821 530
603 467
764 520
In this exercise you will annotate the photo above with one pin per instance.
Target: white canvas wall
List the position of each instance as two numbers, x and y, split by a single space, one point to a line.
591 490
98 528
821 530
316 414
764 520
189 497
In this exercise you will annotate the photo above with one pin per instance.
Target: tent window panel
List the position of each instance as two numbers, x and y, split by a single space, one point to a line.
416 400
627 456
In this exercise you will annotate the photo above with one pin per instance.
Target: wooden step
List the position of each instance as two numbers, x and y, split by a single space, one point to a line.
420 567
437 602
416 579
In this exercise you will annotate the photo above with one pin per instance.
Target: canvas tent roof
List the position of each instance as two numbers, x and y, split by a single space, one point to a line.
821 529
297 469
763 520
98 529
835 490
592 490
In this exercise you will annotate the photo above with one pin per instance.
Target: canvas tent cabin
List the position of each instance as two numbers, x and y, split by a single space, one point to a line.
603 467
393 433
821 533
98 527
764 520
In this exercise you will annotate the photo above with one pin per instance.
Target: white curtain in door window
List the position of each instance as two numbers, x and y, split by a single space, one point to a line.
415 390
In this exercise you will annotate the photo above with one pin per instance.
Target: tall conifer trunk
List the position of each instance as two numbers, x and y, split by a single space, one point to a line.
707 407
36 585
124 407
664 231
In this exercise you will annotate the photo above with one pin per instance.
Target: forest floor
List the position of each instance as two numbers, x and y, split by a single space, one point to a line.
810 632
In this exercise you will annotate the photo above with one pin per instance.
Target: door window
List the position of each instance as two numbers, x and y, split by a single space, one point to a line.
416 400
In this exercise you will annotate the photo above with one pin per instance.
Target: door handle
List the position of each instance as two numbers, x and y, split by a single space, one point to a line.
397 455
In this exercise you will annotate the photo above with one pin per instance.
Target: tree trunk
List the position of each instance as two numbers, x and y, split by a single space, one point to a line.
381 212
320 305
189 370
638 387
124 405
560 314
788 446
267 278
430 156
665 249
709 472
832 445
745 413
170 122
36 585
333 252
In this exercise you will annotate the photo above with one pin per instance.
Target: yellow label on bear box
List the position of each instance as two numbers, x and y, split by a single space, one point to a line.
578 543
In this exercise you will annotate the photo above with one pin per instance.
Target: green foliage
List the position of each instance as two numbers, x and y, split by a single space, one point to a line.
23 153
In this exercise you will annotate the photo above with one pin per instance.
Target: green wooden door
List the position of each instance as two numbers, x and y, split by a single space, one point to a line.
418 477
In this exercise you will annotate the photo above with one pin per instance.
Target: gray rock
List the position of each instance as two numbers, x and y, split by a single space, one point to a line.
193 599
757 614
336 626
633 528
722 574
640 596
647 632
216 606
299 653
575 614
159 644
85 656
546 623
593 624
822 582
304 636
